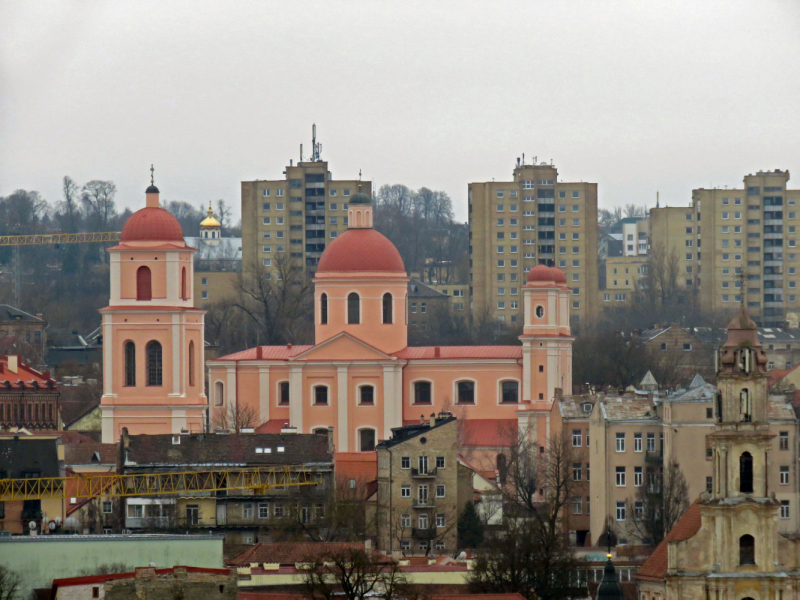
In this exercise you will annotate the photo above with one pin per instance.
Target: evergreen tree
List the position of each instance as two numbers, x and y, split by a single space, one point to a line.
470 528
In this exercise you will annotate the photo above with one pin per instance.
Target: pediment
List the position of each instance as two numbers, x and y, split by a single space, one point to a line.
342 346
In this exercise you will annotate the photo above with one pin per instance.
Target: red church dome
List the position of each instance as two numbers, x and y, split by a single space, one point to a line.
558 275
152 224
363 250
542 273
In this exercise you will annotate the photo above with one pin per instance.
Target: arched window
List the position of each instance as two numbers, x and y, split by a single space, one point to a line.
366 440
184 293
154 370
466 392
219 393
366 395
320 430
321 395
387 309
130 364
502 468
353 308
509 392
323 309
144 288
746 473
747 550
191 363
284 393
422 392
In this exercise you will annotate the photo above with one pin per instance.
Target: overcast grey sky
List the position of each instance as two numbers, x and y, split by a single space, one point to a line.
636 96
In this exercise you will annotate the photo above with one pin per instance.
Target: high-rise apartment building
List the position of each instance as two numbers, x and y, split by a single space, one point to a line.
533 219
726 230
296 216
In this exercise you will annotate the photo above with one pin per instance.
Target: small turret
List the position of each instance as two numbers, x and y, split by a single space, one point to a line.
210 228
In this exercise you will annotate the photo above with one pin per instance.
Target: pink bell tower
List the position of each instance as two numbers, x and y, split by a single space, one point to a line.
152 334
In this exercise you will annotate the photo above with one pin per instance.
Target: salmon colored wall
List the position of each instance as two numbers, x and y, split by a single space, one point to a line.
130 263
446 373
386 338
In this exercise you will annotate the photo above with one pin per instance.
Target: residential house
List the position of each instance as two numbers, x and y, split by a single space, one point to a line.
28 398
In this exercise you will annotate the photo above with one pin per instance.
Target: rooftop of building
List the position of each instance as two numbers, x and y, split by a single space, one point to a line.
226 449
407 432
21 457
655 567
418 290
16 375
89 453
9 313
628 408
289 553
572 407
93 579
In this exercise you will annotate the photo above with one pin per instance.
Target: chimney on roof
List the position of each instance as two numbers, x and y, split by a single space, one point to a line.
259 353
422 419
559 394
432 422
13 363
40 316
437 352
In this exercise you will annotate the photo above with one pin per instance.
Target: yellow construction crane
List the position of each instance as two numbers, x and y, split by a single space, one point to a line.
151 484
48 238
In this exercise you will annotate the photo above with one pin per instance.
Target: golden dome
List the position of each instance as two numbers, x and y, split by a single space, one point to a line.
210 222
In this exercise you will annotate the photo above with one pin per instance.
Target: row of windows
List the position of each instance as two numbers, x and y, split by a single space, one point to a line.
267 206
422 462
466 392
515 249
144 284
423 521
422 492
637 442
354 309
513 193
153 364
280 192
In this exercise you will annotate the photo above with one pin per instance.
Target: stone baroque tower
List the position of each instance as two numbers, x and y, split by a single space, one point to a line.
152 333
727 545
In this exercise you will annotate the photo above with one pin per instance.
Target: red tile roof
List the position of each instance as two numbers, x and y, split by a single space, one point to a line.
267 353
289 553
361 466
776 375
83 453
71 581
272 426
24 377
483 433
655 567
152 223
459 352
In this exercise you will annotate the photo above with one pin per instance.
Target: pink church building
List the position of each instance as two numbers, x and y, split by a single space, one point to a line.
362 379
153 371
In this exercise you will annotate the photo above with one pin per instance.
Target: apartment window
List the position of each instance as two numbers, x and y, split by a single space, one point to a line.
513 207
620 442
500 193
577 438
577 471
247 510
562 208
637 476
576 222
637 442
346 192
620 476
263 510
500 223
651 442
266 193
440 490
784 476
279 205
577 505
440 519
620 511
440 462
784 440
405 491
562 194
405 462
784 509
689 256
726 215
689 216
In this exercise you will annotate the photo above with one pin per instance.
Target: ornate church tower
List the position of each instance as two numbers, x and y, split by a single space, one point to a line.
152 334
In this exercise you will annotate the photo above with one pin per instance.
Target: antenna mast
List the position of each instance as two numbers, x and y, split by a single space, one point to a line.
316 147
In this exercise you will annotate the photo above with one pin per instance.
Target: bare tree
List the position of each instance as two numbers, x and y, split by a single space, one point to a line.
532 555
70 205
354 573
235 417
663 270
658 504
224 214
98 196
278 301
10 584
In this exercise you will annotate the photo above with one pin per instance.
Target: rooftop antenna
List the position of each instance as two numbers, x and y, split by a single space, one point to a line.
656 199
301 152
523 159
518 161
152 170
316 147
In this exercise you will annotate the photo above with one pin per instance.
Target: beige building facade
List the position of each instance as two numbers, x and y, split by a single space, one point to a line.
532 219
295 217
724 231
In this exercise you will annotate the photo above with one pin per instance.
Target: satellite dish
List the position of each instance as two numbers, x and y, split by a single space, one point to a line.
32 525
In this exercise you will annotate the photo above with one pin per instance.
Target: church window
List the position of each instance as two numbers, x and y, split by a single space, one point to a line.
323 309
191 363
154 370
387 309
144 290
353 308
747 550
321 394
510 392
466 392
746 473
184 293
284 393
422 392
366 440
746 406
367 394
219 393
130 364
